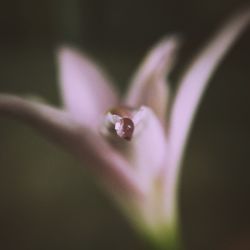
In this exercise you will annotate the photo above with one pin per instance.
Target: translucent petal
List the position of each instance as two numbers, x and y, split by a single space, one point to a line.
53 122
194 83
86 92
148 149
149 86
192 87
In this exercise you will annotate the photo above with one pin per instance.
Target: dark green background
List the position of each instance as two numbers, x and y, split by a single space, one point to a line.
46 200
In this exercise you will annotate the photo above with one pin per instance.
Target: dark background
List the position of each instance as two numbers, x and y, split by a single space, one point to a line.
46 200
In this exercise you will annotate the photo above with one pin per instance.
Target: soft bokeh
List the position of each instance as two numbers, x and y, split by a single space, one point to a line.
46 200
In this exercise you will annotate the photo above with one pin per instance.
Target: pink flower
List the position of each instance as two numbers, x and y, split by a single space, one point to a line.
134 144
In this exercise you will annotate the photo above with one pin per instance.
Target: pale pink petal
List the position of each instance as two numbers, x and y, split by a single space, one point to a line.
51 121
149 86
87 145
148 146
86 92
193 85
194 81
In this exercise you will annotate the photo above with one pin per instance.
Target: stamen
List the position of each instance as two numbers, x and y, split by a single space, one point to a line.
125 128
119 122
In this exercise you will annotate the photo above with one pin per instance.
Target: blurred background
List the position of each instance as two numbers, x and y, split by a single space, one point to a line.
47 200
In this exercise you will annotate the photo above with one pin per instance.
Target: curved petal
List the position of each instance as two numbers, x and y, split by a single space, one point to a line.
148 149
195 80
51 121
149 85
86 92
192 87
91 148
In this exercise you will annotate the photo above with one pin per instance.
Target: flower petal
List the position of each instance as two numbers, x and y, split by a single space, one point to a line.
148 149
194 83
87 145
85 90
51 121
149 86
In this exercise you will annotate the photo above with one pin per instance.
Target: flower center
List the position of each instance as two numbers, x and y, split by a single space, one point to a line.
125 128
121 122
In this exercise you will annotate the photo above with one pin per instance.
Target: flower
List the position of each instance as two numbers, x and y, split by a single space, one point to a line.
134 144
